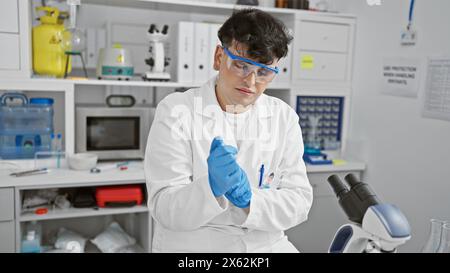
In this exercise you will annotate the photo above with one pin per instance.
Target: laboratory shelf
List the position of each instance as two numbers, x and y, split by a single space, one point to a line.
210 7
141 83
79 212
135 82
185 5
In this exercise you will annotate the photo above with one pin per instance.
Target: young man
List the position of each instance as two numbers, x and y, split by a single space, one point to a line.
224 162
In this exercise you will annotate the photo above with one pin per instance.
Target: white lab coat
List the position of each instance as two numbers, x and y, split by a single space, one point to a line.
187 216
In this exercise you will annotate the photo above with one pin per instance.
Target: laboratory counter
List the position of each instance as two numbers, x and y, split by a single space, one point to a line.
61 177
136 220
134 174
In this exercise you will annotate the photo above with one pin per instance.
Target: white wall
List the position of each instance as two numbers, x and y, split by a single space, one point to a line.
408 155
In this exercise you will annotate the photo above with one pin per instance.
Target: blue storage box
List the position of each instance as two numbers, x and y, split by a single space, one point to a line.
26 125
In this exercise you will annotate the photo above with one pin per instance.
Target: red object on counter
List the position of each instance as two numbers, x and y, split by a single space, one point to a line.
119 196
41 211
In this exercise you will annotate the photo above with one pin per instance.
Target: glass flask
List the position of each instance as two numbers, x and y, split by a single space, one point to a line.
434 239
73 40
444 246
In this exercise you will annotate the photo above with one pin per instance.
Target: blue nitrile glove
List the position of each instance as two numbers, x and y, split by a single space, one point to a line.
223 171
241 194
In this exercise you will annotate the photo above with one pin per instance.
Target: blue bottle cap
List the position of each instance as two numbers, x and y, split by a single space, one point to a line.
43 101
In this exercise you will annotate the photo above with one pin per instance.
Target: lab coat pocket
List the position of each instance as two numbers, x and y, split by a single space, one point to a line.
270 180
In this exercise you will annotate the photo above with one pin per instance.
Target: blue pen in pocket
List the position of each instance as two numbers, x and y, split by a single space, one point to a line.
261 175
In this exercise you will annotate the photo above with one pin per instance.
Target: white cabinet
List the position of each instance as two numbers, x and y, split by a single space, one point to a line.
15 39
9 36
7 237
89 222
6 204
323 50
325 66
7 220
322 68
9 46
323 36
9 21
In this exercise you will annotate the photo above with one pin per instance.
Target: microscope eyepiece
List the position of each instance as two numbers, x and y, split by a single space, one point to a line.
351 180
338 187
165 29
354 200
152 28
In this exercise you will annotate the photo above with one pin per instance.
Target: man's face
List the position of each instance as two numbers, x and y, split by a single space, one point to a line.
233 89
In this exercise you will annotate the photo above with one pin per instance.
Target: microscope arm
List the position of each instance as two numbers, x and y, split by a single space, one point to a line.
350 238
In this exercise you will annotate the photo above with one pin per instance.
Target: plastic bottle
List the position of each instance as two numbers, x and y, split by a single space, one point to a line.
52 142
31 243
58 150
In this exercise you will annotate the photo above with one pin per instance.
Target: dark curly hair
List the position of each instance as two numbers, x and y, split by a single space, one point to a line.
265 36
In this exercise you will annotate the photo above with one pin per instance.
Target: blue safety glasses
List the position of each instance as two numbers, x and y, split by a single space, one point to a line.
242 67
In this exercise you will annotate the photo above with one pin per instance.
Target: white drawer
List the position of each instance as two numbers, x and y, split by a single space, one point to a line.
323 36
6 204
322 66
9 51
9 13
7 231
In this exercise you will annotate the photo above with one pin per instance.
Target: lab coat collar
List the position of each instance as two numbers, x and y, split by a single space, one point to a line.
205 97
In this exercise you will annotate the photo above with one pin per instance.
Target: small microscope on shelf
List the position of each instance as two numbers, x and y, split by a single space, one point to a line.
157 60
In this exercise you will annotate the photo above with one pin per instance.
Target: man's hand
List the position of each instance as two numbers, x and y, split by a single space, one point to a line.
223 170
240 194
